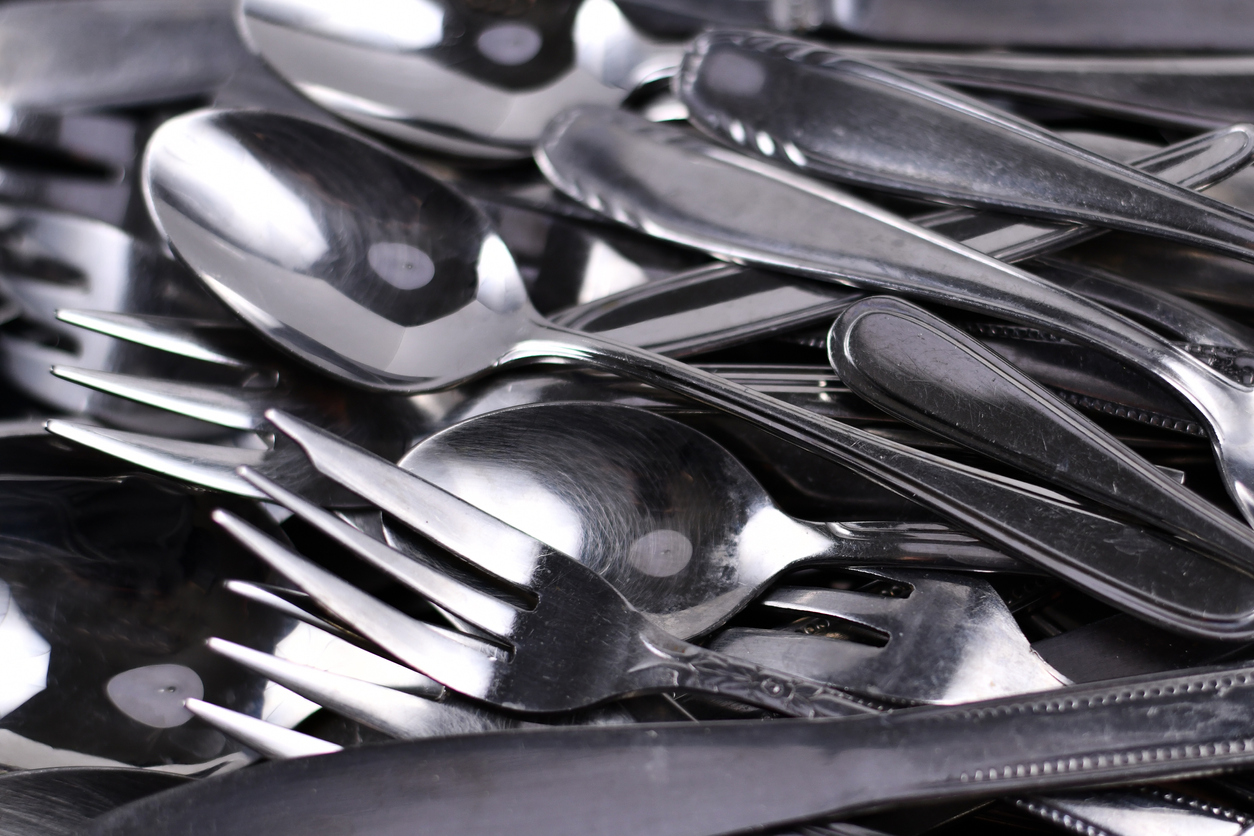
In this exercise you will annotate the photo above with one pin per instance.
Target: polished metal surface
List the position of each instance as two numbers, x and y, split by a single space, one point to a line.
1187 91
438 307
450 76
919 368
92 570
51 260
65 55
951 639
1204 25
733 206
839 118
720 305
673 521
553 782
609 648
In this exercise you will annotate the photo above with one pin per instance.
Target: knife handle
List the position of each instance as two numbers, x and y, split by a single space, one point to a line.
696 779
922 370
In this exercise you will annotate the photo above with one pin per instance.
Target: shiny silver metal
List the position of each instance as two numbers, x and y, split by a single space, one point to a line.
950 639
111 53
1206 25
452 78
923 370
731 205
349 257
553 782
266 739
1186 91
719 305
578 643
51 260
835 117
672 520
391 425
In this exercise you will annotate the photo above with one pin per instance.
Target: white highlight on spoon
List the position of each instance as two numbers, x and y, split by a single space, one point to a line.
660 553
398 25
510 44
264 215
154 694
24 655
400 265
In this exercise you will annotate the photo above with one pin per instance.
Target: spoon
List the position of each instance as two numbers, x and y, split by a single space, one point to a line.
917 367
671 519
344 254
733 206
453 78
839 118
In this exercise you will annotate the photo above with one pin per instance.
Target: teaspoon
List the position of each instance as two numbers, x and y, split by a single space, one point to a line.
346 255
671 519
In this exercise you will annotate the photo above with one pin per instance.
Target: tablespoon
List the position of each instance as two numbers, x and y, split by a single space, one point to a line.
451 77
741 209
414 292
919 368
839 118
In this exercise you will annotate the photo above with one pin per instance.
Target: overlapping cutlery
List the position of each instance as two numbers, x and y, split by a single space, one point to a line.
524 455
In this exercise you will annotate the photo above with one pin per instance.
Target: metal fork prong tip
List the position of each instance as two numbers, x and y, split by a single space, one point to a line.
274 742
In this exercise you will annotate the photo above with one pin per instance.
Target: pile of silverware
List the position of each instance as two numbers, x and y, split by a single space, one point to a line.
626 417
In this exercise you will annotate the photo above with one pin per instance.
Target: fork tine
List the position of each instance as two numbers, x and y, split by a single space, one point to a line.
227 406
260 594
271 741
875 611
453 523
174 335
210 465
341 651
485 611
403 716
464 664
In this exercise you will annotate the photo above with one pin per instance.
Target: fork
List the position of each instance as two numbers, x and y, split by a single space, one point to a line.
578 643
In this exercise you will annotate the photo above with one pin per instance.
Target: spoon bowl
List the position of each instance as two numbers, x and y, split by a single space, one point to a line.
671 519
345 254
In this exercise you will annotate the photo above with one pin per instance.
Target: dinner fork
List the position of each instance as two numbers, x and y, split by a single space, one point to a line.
578 642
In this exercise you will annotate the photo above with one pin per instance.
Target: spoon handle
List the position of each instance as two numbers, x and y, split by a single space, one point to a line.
750 211
718 305
1130 567
919 368
841 118
1190 91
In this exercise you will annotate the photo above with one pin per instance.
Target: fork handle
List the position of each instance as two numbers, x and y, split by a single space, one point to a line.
675 664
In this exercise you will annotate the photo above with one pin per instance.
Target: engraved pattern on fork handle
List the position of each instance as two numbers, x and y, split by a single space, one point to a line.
698 669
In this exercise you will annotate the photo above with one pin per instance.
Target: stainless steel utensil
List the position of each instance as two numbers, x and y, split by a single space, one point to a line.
577 644
747 210
415 293
51 260
1185 91
453 78
111 53
839 118
553 782
919 368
